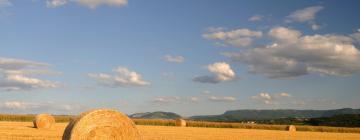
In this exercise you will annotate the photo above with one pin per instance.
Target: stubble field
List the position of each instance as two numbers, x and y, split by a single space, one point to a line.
25 131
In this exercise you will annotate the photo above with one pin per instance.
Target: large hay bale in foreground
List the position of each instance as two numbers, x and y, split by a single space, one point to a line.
101 124
44 121
291 128
180 122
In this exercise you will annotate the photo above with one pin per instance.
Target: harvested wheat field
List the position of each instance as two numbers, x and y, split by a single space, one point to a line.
25 131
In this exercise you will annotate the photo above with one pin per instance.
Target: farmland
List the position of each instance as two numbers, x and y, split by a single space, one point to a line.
25 131
20 127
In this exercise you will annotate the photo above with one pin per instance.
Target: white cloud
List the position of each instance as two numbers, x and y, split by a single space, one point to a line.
166 99
16 74
174 100
238 37
92 4
315 26
174 59
95 3
222 98
256 18
18 82
284 35
221 72
303 15
292 55
15 64
38 107
284 94
267 98
15 105
55 3
206 92
193 99
123 77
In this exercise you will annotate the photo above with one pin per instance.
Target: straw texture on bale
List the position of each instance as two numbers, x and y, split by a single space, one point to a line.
44 121
180 122
291 128
101 124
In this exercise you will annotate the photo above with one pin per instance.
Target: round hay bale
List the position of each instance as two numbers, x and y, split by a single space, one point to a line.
101 124
44 121
291 128
180 122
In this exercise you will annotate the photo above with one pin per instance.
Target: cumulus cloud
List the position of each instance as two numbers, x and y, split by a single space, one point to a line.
123 77
304 15
38 107
92 4
221 72
21 82
256 18
16 74
16 64
284 94
222 98
292 54
15 105
238 37
95 3
205 92
315 26
166 99
267 98
55 3
193 99
284 35
174 100
174 59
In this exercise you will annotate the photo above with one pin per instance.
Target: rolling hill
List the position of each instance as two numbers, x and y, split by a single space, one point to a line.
155 115
241 115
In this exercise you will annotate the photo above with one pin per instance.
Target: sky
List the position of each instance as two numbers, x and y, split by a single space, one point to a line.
189 57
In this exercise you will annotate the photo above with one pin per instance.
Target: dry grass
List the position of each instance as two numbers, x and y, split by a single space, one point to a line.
194 133
247 126
101 124
154 122
64 118
30 118
25 131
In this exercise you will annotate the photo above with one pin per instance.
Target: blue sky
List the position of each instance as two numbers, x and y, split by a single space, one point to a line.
189 57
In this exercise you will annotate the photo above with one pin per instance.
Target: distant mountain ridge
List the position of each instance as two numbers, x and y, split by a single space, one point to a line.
241 115
155 115
251 114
